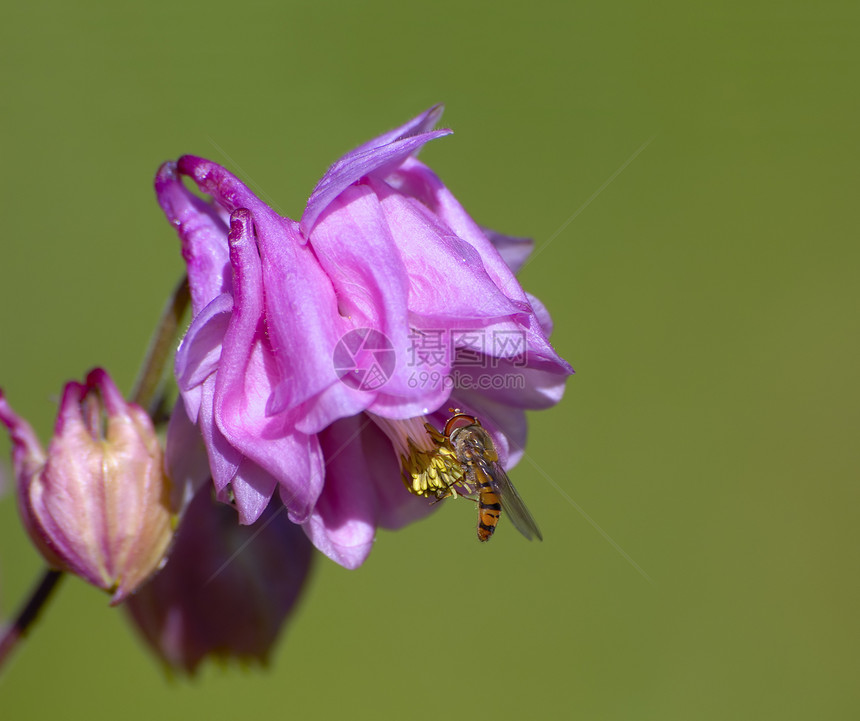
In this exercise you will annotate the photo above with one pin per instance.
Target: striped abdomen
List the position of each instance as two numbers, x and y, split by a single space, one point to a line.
489 505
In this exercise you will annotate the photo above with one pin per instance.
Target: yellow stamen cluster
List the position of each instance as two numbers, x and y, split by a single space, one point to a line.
431 472
428 464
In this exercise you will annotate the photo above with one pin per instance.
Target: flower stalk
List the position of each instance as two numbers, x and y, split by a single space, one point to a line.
29 613
161 348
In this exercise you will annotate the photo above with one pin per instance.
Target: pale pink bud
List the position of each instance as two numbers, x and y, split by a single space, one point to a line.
98 503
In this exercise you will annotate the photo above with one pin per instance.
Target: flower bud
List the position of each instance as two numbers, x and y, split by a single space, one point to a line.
226 590
97 504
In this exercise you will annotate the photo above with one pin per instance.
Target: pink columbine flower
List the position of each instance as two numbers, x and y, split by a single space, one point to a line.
319 346
97 504
226 590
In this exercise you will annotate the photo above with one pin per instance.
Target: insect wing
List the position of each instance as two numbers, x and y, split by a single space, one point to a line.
512 503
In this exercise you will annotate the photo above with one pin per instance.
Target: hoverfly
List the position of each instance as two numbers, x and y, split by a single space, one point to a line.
484 476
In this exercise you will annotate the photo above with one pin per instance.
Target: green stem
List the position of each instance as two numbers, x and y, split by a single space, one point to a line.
161 347
28 613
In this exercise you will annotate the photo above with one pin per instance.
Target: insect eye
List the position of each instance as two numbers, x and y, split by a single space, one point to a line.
460 420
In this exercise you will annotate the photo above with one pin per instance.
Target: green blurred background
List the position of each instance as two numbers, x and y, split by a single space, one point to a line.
706 296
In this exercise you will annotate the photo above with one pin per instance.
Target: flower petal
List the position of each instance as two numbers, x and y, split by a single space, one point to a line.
422 123
203 234
375 159
28 457
200 350
447 275
343 522
504 381
224 187
415 179
363 490
542 314
224 458
245 381
185 458
355 248
253 488
514 251
303 321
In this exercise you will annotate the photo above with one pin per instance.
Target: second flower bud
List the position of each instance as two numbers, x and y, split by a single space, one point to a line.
97 504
